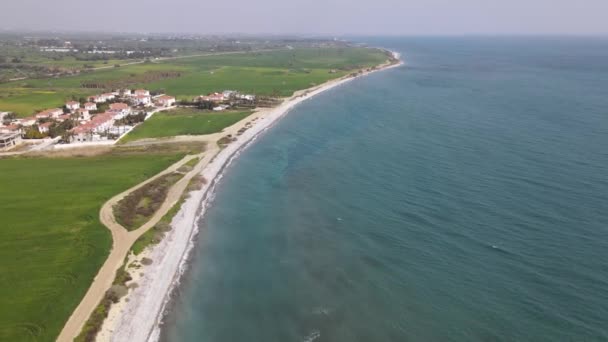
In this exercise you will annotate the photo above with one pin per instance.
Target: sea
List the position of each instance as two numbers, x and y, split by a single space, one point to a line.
460 197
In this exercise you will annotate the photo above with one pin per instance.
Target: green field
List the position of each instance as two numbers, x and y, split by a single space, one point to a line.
51 241
277 73
184 121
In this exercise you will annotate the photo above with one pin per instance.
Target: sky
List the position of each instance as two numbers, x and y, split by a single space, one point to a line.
319 17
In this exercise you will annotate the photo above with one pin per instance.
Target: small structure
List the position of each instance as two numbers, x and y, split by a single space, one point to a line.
50 113
229 93
139 92
9 140
27 122
64 117
90 106
109 96
164 100
213 97
83 114
120 110
44 128
90 131
220 108
98 98
126 92
72 105
142 100
12 128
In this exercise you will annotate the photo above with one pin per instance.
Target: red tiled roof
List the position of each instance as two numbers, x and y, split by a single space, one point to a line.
119 106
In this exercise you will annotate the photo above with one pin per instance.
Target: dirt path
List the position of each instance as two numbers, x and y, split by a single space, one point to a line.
124 239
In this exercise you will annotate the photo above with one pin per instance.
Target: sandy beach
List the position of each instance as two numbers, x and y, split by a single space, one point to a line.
138 316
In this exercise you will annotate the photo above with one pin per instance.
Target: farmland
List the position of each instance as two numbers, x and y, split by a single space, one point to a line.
51 241
184 121
273 73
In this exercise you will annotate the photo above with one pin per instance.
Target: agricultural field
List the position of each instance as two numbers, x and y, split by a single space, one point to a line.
272 73
51 241
184 121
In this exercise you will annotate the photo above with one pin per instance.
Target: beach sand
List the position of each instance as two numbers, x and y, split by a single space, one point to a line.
137 317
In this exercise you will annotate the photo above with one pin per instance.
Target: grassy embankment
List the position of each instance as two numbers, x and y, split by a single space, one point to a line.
51 241
276 73
184 121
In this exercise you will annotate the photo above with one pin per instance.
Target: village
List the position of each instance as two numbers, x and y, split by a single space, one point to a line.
102 118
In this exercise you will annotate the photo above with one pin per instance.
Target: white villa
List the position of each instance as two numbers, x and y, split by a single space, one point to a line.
90 106
72 105
164 100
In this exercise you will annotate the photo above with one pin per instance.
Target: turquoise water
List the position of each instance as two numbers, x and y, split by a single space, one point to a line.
461 198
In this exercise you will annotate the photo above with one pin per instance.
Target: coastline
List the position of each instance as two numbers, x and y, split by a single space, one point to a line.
138 315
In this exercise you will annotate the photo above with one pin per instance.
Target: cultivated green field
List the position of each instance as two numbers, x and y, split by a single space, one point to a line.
51 241
184 121
278 73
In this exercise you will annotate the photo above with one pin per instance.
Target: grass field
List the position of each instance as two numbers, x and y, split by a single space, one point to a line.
184 121
51 241
277 73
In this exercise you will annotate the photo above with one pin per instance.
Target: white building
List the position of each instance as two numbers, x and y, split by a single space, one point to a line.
164 100
142 100
83 115
90 106
44 128
141 92
9 140
49 113
26 122
120 110
72 105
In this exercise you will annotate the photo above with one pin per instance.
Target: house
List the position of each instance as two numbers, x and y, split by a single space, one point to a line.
26 122
126 92
72 105
9 140
165 100
120 110
90 131
98 98
12 128
49 113
90 106
109 96
83 114
44 128
141 92
214 97
229 93
245 97
142 100
64 117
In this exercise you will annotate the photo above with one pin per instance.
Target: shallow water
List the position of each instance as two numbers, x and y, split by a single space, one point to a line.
461 198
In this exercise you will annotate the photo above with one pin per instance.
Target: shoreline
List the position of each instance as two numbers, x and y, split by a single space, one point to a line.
138 316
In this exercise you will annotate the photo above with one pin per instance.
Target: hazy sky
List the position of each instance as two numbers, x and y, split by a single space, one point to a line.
402 17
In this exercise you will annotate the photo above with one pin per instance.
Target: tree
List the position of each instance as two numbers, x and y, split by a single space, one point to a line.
33 133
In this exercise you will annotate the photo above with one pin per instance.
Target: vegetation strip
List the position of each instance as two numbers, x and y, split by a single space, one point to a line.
137 208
